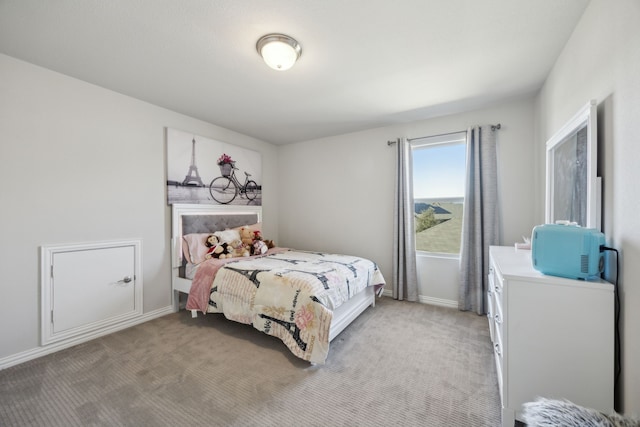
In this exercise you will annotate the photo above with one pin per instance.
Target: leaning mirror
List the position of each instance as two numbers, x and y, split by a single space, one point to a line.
573 189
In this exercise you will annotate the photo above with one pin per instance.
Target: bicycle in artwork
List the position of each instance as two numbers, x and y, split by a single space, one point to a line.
224 189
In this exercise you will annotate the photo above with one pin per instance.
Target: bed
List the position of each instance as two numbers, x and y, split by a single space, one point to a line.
303 298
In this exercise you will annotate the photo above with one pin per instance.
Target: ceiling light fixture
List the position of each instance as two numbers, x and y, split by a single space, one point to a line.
279 51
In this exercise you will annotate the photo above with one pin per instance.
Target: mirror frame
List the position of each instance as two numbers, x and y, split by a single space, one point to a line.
585 118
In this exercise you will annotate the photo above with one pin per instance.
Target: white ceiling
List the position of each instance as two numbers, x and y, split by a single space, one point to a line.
364 64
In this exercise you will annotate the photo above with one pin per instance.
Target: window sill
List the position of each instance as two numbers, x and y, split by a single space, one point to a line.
423 254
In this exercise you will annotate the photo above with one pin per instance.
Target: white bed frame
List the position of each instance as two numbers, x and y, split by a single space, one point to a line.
342 316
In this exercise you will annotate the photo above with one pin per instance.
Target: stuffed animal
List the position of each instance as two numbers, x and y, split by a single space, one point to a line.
259 247
246 235
216 249
270 244
236 248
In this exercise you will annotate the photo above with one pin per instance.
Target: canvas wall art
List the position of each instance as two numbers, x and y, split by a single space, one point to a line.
202 170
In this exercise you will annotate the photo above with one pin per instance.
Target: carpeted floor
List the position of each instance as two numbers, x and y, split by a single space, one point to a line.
400 363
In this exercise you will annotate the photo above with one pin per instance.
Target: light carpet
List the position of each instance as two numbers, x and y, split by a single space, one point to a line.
399 363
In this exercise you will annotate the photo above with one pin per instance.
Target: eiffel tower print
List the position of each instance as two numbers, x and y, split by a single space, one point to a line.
193 175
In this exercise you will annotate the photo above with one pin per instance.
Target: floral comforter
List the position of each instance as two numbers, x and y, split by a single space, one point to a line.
288 294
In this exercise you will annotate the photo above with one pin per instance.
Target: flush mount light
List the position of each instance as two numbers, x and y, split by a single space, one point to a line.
279 51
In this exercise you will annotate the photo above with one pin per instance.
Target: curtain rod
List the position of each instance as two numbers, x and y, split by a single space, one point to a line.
493 128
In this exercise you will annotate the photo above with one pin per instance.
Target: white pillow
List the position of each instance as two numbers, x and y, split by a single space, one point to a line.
227 236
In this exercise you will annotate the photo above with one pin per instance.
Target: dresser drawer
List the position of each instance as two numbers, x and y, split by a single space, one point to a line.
491 314
498 320
498 351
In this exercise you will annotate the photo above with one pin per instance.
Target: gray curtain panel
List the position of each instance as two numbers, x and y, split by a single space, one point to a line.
405 278
480 218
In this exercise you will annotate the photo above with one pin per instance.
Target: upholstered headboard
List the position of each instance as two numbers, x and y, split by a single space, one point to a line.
204 223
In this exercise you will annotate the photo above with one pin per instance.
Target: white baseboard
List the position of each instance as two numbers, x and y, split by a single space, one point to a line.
438 301
34 353
428 300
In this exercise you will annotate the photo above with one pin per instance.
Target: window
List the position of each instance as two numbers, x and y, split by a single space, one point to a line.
439 165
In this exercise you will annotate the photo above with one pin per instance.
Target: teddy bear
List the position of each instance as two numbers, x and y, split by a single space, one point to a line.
216 249
246 235
236 248
270 244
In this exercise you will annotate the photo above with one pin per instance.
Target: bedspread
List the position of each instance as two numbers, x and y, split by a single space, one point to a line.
288 294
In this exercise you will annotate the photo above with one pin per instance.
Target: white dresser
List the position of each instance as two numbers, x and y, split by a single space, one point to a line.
553 337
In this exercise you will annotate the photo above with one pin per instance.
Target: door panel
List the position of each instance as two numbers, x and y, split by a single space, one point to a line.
88 286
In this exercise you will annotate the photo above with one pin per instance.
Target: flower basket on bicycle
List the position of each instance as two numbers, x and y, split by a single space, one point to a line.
225 169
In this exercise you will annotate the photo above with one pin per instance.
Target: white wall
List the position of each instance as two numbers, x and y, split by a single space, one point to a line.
336 194
79 163
602 61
